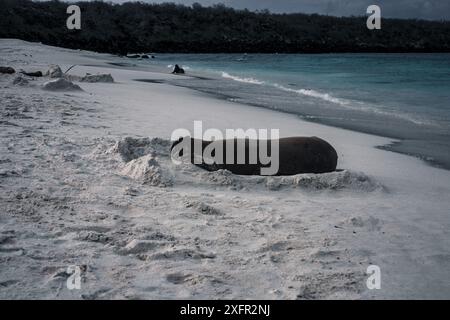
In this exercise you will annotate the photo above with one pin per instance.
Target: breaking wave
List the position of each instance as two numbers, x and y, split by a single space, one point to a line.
245 80
348 104
314 94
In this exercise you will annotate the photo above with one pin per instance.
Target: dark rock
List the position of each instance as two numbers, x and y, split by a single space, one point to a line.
32 74
54 71
7 70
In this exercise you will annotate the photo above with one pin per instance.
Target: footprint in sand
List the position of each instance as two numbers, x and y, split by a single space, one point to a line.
182 254
177 278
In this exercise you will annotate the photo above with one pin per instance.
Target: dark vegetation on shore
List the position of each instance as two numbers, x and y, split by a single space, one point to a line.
139 27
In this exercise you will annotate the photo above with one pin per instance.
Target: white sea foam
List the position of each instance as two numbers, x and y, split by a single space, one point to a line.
348 104
353 105
314 94
306 92
246 80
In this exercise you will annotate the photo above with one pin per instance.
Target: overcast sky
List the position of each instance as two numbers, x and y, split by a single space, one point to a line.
424 9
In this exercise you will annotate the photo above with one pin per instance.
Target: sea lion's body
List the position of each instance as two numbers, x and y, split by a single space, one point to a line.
296 155
178 70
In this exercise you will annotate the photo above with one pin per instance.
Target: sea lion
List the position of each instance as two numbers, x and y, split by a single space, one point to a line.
178 70
296 155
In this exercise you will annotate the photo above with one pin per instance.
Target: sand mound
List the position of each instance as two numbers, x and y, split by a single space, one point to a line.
332 181
132 148
141 160
339 180
20 81
148 160
61 85
147 170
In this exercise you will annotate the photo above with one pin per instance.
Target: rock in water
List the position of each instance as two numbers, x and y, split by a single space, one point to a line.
54 71
61 85
7 70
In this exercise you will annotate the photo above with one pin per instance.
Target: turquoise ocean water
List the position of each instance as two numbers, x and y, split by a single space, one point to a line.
403 96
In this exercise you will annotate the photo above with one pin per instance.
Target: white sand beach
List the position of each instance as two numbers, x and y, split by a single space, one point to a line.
86 179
